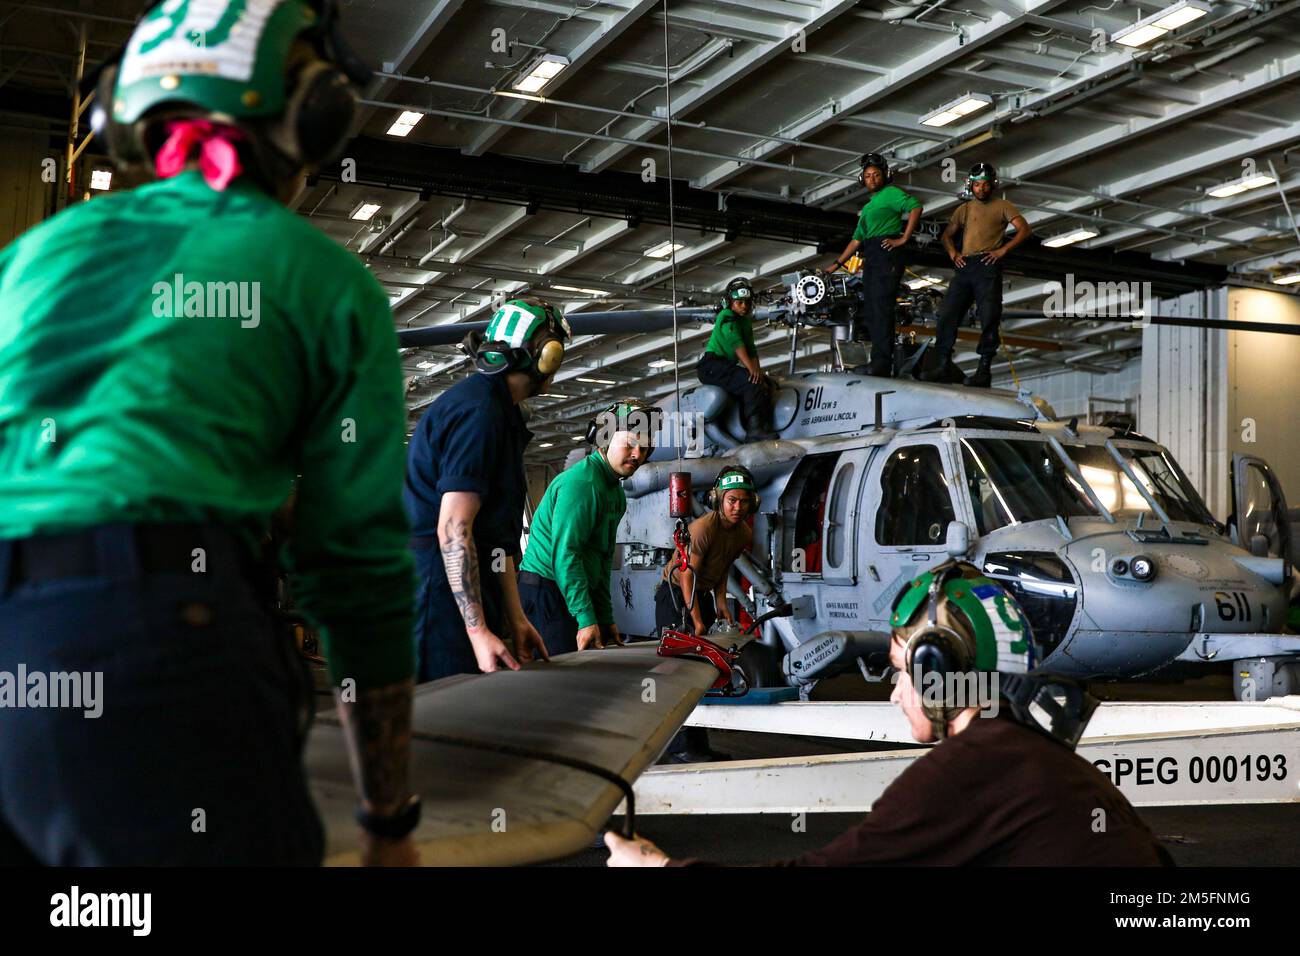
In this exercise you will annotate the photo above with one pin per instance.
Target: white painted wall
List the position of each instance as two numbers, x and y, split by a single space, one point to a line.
1263 377
1184 381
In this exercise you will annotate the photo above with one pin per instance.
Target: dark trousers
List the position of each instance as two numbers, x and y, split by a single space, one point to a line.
733 378
882 271
195 758
544 606
670 608
977 282
442 646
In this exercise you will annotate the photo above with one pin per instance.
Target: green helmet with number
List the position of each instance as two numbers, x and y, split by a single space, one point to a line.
237 62
970 620
954 621
225 57
522 335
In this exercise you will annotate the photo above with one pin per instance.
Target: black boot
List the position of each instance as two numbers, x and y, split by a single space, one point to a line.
881 365
982 377
939 370
758 427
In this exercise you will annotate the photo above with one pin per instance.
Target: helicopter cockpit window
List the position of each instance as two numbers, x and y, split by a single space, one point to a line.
990 510
915 503
1025 478
1168 485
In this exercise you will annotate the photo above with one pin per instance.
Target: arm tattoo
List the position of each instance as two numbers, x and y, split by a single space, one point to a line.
460 558
378 731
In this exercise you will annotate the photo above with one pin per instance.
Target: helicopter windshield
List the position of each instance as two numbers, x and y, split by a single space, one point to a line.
1157 472
1015 479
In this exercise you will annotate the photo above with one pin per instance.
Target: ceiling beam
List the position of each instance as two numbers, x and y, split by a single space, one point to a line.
602 35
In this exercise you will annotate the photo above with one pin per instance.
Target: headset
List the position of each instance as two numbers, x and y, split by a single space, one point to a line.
983 171
540 356
739 288
879 161
1056 706
715 496
320 106
624 410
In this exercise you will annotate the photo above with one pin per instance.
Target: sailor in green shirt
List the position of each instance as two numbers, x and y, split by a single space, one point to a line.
880 237
730 361
171 357
564 576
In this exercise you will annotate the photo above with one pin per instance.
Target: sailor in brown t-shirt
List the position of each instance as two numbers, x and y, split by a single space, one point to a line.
978 277
1004 786
694 598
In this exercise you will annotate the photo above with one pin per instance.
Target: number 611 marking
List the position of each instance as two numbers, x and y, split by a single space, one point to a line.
1232 605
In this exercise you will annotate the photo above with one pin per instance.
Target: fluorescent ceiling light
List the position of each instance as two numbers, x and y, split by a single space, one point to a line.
405 123
101 179
542 71
1235 186
962 106
552 395
1180 14
545 444
365 211
922 282
663 250
1157 25
424 364
1069 238
576 438
661 363
598 381
1289 279
574 288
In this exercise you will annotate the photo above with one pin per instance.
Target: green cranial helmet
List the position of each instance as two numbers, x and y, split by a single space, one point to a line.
522 335
238 63
226 57
982 626
955 621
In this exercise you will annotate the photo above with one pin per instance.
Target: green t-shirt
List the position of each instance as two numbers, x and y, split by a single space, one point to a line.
571 539
730 332
882 215
124 401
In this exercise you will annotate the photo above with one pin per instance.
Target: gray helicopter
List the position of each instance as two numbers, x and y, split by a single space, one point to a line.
1119 566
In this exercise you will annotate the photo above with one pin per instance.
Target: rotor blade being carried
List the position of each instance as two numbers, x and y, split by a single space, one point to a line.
519 767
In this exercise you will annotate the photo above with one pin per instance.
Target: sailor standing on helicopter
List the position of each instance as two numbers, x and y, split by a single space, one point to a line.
730 361
881 241
978 276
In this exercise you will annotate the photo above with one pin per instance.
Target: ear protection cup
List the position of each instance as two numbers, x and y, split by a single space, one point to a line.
552 354
318 116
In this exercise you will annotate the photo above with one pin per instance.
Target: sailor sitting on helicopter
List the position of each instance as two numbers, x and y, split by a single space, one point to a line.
730 361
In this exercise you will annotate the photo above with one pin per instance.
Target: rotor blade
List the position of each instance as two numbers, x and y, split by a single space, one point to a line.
450 334
625 322
1285 328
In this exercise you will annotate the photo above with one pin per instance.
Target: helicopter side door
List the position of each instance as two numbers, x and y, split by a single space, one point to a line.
843 506
911 485
1259 507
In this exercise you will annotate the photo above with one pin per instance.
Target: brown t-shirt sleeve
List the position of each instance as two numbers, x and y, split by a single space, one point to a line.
1009 211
